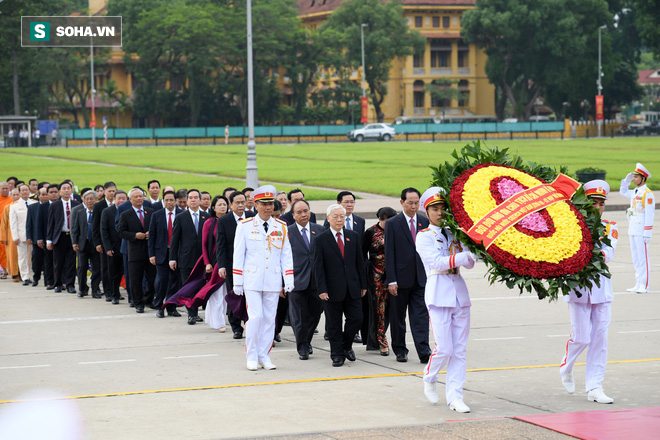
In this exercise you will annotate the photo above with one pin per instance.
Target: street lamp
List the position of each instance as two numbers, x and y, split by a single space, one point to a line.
364 25
599 83
251 175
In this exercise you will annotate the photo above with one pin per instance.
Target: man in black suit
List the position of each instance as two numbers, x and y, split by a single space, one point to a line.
224 249
31 234
153 188
304 304
186 243
161 230
109 190
134 228
112 247
53 192
58 239
293 196
406 278
341 281
81 239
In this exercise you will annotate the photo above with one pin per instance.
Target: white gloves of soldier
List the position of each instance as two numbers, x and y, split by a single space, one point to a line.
629 177
472 256
465 258
647 240
288 288
238 290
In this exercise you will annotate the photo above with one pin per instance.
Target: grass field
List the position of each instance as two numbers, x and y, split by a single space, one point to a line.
383 168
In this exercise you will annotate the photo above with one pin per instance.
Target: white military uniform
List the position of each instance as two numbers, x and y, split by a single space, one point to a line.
590 320
17 223
640 227
448 302
261 260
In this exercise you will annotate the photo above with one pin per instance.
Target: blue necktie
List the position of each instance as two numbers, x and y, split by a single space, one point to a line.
305 239
89 225
196 223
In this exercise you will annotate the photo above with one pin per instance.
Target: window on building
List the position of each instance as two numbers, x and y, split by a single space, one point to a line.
464 97
436 21
440 53
418 60
418 94
445 22
463 54
440 103
418 22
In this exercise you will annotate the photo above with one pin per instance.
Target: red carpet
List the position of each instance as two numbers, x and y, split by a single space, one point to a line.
637 424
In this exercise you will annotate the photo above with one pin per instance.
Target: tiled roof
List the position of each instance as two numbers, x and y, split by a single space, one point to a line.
650 76
306 7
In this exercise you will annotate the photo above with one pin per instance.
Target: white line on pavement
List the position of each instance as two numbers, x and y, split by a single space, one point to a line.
82 318
499 339
639 331
23 366
106 362
191 356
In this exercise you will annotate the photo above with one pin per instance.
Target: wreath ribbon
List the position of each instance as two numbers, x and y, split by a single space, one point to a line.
519 206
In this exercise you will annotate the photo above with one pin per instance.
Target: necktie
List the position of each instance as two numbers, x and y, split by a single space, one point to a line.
239 220
141 217
340 243
68 214
413 230
305 239
26 204
348 224
169 229
266 227
196 222
89 225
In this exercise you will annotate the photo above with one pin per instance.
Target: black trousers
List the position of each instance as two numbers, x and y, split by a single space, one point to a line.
412 300
89 257
281 314
116 270
185 273
105 273
49 274
37 262
64 261
167 283
138 270
342 340
305 310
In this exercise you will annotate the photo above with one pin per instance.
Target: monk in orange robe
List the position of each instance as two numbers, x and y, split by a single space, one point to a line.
11 251
5 200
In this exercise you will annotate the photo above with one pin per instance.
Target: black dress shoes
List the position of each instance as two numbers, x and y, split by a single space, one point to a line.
337 361
132 304
174 313
238 335
191 320
109 298
58 289
277 338
81 294
27 282
160 313
310 349
115 301
97 295
357 338
50 287
71 289
139 309
403 357
325 336
198 319
350 355
35 283
424 359
303 356
121 297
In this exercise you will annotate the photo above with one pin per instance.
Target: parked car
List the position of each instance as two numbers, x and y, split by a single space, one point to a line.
380 131
634 128
653 128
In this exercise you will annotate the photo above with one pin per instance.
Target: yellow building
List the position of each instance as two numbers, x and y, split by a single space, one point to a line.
445 56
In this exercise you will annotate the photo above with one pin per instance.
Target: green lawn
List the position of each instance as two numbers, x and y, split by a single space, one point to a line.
383 168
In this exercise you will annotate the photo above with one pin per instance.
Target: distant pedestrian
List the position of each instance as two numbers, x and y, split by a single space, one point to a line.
226 134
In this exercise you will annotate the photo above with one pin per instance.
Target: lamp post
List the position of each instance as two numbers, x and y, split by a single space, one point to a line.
251 175
599 83
364 104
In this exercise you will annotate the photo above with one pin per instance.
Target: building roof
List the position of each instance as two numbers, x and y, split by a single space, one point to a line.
309 7
649 76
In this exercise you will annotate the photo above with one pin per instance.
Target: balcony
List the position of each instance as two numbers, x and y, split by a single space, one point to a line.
443 71
464 71
419 111
419 71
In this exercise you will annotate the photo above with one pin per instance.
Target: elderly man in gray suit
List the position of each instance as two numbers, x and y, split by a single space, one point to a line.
83 245
305 306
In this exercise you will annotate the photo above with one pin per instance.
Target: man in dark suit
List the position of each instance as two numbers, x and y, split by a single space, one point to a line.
31 234
293 196
161 230
186 243
58 239
112 247
341 281
134 228
109 190
53 191
153 188
304 304
81 239
224 250
406 278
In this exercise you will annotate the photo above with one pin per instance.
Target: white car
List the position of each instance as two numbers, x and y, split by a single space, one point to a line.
379 131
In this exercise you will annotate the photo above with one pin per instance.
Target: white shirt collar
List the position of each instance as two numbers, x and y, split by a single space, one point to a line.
414 218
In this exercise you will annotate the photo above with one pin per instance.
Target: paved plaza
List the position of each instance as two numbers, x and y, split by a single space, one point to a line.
130 376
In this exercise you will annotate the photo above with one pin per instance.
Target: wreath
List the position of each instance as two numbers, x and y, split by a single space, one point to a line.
532 226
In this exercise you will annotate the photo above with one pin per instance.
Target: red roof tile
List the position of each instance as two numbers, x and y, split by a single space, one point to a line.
649 76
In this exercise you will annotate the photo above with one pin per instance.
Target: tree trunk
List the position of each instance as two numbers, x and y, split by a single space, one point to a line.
17 100
377 101
500 103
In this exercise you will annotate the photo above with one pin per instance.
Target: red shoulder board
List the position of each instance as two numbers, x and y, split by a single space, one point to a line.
423 230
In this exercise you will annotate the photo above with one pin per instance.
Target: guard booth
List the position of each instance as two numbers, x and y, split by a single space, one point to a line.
16 122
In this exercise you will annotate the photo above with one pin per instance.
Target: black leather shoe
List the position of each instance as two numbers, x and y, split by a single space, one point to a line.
81 294
424 359
192 320
50 287
337 361
71 289
109 298
357 339
27 282
310 349
174 313
115 301
97 295
316 331
403 357
237 335
277 338
325 336
35 283
132 304
350 355
303 357
58 289
139 309
121 297
198 319
153 307
160 313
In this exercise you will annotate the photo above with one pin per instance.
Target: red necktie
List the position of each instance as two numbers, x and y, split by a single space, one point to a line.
68 214
340 243
169 229
141 218
413 230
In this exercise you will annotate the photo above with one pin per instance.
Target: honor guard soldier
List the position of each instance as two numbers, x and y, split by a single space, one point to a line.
640 224
447 300
262 258
590 313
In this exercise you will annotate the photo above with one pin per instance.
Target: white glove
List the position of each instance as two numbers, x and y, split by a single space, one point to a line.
472 256
288 288
629 177
647 240
238 290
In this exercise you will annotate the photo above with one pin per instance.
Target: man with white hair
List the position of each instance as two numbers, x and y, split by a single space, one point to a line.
341 282
17 223
83 245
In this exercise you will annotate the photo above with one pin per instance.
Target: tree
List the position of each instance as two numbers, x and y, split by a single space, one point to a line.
386 37
648 22
443 92
533 45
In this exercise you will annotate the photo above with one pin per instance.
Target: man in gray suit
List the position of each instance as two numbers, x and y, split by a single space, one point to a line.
304 303
83 245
